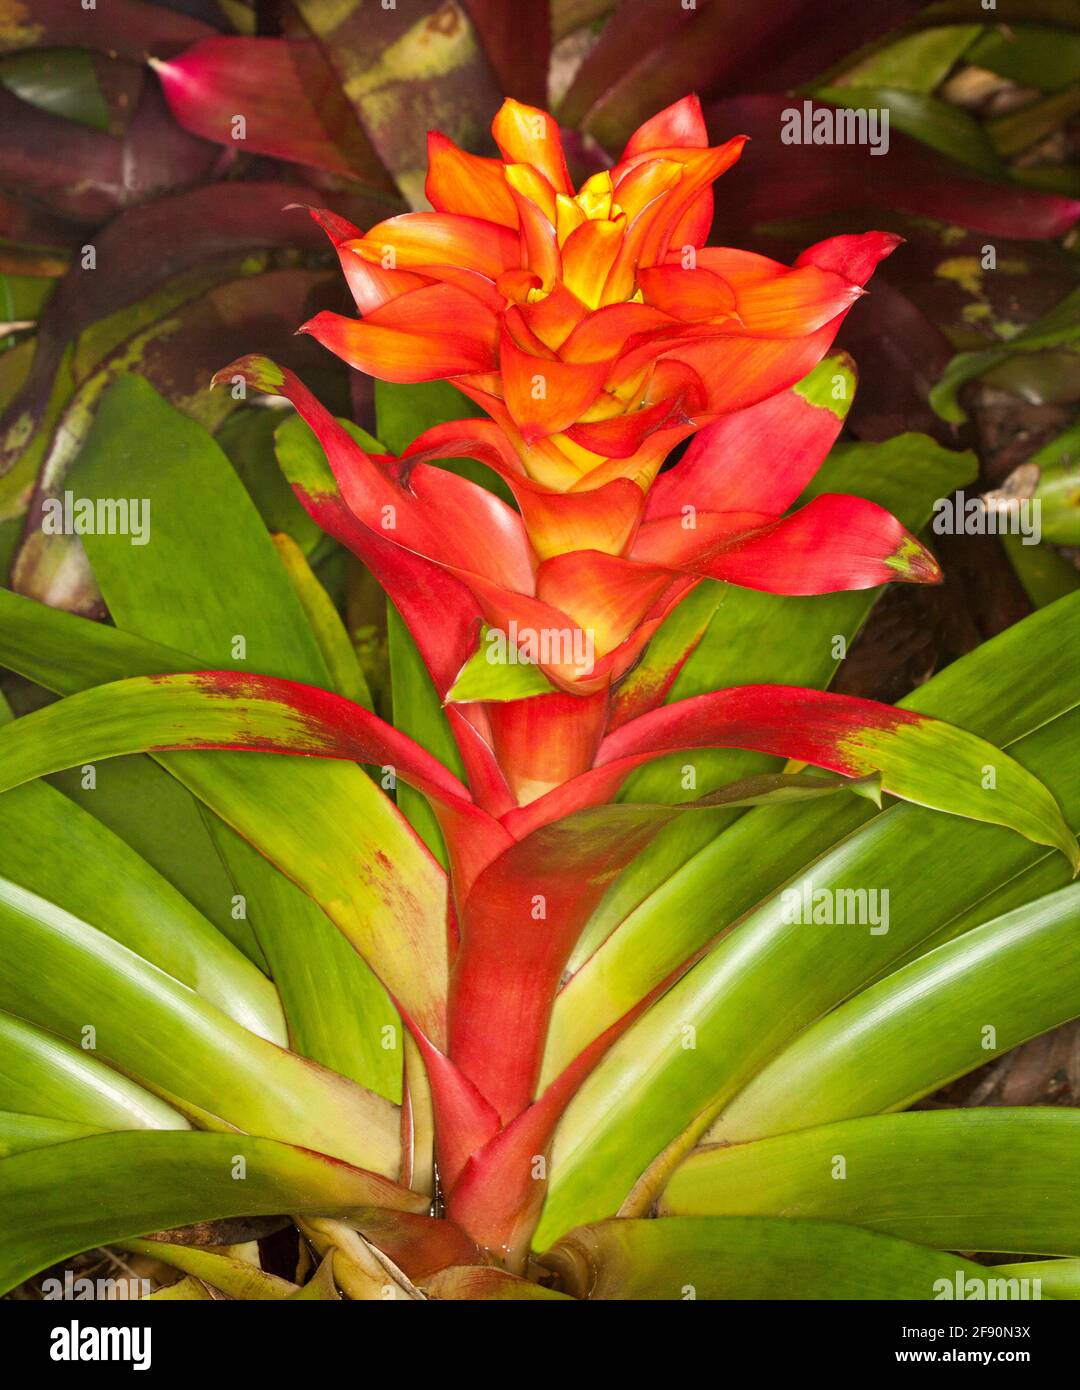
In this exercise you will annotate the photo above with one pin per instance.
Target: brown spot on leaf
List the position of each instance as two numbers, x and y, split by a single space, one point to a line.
447 20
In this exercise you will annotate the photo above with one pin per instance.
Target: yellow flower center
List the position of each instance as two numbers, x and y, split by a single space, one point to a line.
593 203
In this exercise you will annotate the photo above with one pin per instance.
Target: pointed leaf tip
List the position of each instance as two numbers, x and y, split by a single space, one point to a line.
912 561
258 372
830 385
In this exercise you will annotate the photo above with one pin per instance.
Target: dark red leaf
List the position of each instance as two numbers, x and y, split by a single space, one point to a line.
903 356
291 103
121 28
177 358
653 51
517 41
147 245
88 175
31 227
775 181
371 48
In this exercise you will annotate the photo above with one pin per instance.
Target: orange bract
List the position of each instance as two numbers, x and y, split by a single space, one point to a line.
593 325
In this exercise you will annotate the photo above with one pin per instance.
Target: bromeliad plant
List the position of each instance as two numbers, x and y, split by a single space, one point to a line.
618 1047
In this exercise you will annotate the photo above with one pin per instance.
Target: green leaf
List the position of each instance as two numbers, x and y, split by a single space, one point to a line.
403 411
1045 575
66 976
935 123
1030 55
1050 178
768 638
1057 1278
768 980
497 673
1041 377
93 874
248 438
830 385
1046 875
244 590
196 710
23 297
19 1133
1061 325
166 350
929 763
325 824
64 654
945 1014
1018 130
48 1077
190 494
27 442
61 81
147 810
72 1197
1057 491
323 983
171 587
943 767
748 1258
418 713
1004 690
10 532
346 677
169 828
918 62
186 1290
302 461
234 1277
983 1179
